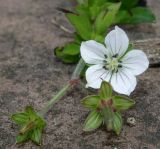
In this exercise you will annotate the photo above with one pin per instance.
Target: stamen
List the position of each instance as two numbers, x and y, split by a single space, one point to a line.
105 67
112 63
120 66
115 56
105 56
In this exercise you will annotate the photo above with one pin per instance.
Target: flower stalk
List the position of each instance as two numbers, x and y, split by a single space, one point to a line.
73 81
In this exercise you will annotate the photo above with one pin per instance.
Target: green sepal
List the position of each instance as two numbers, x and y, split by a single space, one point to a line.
117 123
31 127
22 137
31 113
122 103
105 91
108 116
91 102
20 118
93 121
36 135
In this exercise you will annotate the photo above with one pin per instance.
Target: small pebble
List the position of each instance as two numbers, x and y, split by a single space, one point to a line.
131 121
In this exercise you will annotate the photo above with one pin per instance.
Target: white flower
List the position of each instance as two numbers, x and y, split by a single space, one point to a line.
113 63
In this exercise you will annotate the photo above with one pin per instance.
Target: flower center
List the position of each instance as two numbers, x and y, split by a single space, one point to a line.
112 64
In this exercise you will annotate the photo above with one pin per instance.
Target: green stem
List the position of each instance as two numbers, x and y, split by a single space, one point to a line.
78 69
63 91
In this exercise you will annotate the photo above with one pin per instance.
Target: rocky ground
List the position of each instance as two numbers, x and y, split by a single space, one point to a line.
30 74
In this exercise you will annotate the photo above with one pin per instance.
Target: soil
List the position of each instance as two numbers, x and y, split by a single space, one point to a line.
30 75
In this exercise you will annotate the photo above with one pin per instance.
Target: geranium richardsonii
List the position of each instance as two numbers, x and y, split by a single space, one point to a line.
113 63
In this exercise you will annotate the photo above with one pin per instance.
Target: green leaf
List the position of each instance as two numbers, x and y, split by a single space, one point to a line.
82 25
20 118
22 138
141 15
105 91
105 19
122 103
71 49
77 39
94 11
82 10
65 57
117 123
91 102
122 17
135 16
96 2
69 53
36 135
129 4
93 121
98 7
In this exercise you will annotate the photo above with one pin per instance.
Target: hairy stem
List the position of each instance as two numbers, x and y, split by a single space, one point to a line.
63 91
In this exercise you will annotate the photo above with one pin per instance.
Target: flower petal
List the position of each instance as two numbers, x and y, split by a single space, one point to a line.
123 82
117 41
93 52
136 61
95 75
